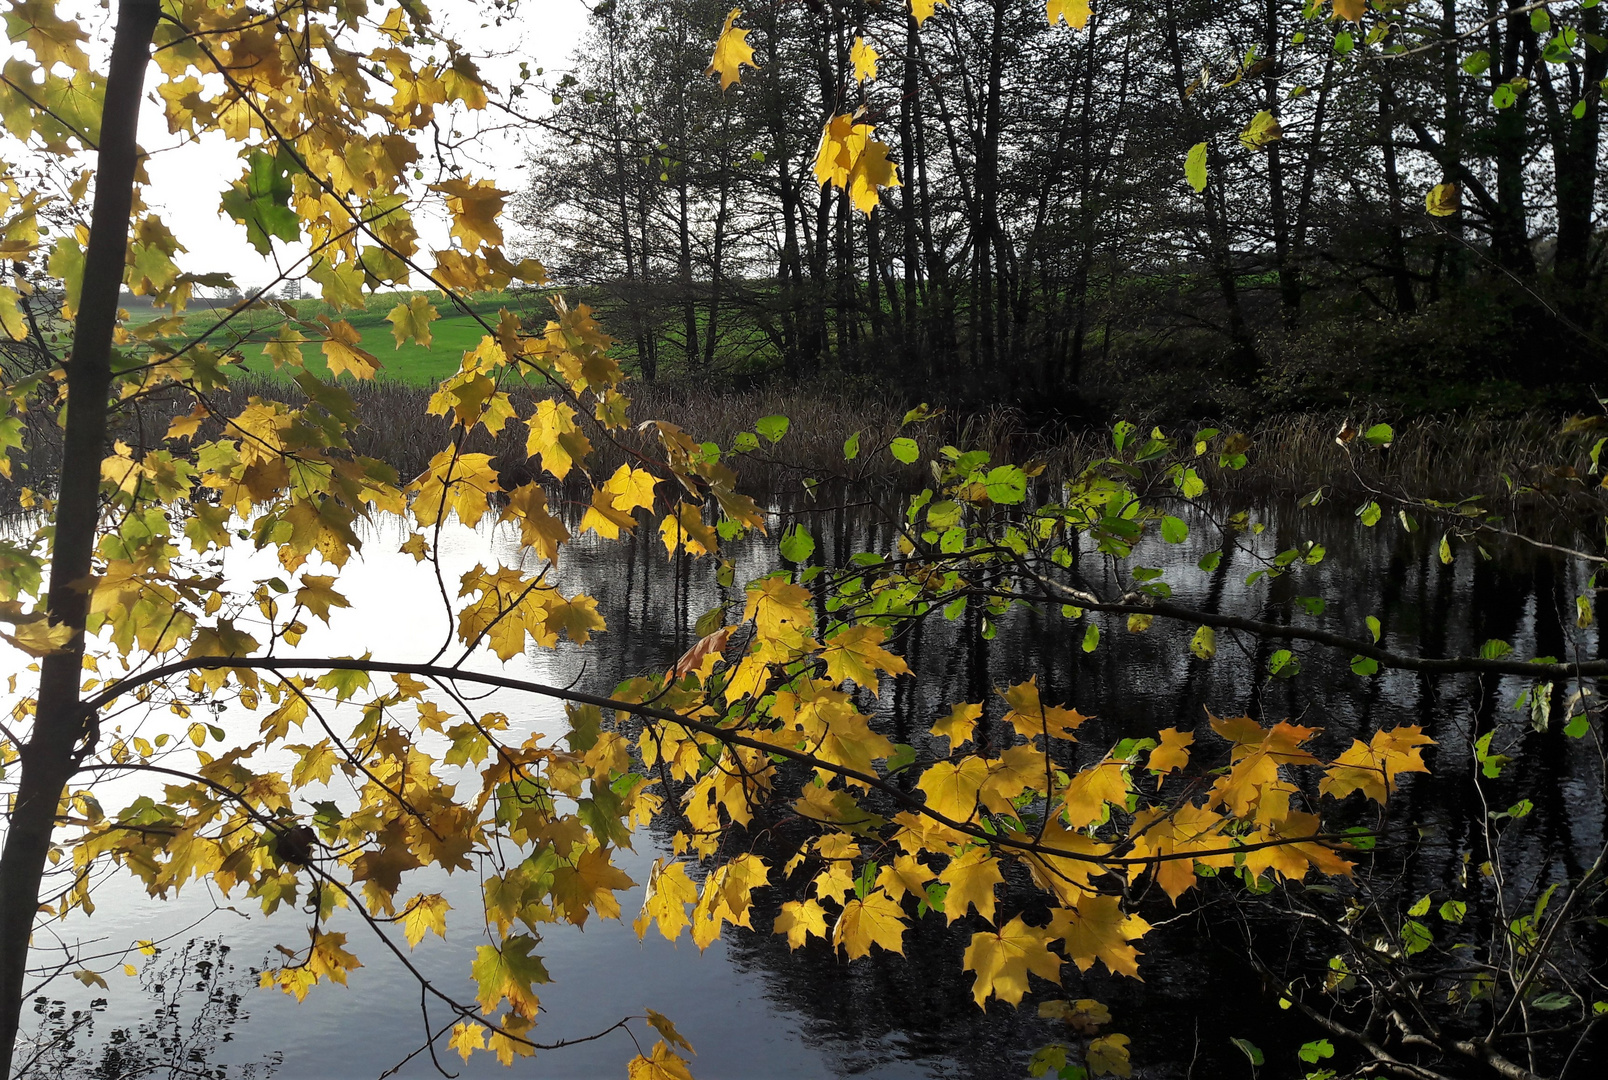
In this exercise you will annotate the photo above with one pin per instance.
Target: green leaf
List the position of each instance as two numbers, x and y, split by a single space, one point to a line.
1453 911
1251 1051
772 427
746 442
1477 63
1364 665
1204 643
1373 627
1380 435
1091 638
262 201
797 544
1314 1052
1421 908
1370 514
903 755
1577 726
710 621
851 447
1553 1002
1174 530
1415 937
905 450
1283 664
1490 764
1495 649
1195 167
1006 485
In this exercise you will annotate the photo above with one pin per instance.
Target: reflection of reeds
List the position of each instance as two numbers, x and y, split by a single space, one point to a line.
1295 454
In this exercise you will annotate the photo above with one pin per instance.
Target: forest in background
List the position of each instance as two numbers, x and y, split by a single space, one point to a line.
1044 248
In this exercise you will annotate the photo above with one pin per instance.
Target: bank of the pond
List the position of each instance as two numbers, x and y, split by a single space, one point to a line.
1506 462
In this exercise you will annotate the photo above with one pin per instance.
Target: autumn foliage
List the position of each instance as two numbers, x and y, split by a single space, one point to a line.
774 712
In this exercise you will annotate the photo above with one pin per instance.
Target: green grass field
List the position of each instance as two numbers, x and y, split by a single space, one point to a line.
454 333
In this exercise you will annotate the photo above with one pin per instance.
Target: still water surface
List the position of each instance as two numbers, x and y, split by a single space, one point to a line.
751 1008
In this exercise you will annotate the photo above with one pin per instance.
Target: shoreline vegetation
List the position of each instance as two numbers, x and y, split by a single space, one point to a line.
1287 456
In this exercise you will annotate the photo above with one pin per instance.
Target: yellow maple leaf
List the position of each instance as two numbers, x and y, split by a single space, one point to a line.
864 58
458 483
1257 755
971 878
466 1037
538 529
39 638
1372 767
857 653
11 320
317 594
1086 795
1002 961
951 787
685 528
425 914
1186 828
732 51
1075 12
665 1064
1030 716
905 875
921 10
959 726
876 920
1350 10
604 519
53 39
474 207
412 320
1173 752
667 1031
1108 1056
341 352
284 347
631 489
872 172
782 616
590 883
1097 929
508 971
799 920
669 892
553 435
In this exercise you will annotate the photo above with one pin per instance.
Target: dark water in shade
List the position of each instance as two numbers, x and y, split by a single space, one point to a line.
753 1009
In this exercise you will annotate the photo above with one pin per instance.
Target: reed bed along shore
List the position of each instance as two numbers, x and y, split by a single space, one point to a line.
1443 458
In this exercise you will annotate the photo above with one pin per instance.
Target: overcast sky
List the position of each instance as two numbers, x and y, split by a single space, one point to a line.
186 181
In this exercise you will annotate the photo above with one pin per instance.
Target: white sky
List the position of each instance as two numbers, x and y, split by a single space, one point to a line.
187 181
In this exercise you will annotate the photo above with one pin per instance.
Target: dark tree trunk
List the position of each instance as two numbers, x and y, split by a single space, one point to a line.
51 755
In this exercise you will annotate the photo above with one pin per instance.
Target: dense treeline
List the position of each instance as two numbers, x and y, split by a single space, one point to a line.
1045 247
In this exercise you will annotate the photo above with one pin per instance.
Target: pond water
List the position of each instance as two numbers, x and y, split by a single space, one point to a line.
752 1008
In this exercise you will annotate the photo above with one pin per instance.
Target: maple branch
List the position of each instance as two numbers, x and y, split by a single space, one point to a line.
903 798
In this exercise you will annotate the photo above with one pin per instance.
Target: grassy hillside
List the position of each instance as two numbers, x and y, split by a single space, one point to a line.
452 334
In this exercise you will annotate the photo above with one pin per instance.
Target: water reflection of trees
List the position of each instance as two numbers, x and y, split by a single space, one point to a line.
1200 988
197 1002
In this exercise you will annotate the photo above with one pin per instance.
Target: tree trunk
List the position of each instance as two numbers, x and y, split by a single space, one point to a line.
49 759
